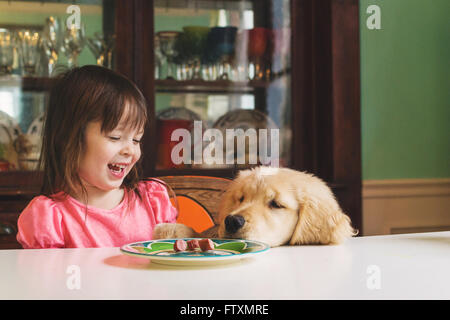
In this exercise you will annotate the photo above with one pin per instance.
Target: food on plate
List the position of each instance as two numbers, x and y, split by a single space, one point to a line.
206 244
194 244
180 245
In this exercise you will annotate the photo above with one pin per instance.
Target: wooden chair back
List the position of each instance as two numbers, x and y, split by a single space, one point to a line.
204 190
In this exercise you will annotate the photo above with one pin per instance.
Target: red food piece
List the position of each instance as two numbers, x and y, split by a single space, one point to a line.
180 245
193 244
206 244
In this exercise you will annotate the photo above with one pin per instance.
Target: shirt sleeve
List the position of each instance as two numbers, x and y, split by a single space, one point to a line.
40 225
157 194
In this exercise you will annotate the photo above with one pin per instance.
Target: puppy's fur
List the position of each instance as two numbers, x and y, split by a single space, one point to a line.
277 206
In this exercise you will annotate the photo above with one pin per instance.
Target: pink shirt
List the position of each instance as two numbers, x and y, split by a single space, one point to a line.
46 223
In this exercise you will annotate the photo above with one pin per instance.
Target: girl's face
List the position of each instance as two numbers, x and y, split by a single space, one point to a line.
109 156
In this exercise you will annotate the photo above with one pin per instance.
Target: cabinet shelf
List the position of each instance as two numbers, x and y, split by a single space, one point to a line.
169 86
27 83
229 172
202 86
37 83
20 183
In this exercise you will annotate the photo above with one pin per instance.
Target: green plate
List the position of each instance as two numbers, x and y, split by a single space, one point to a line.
225 250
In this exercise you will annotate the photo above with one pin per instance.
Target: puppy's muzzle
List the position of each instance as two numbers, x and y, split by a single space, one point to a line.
233 223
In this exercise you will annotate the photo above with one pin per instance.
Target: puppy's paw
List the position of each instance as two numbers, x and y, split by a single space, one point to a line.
173 231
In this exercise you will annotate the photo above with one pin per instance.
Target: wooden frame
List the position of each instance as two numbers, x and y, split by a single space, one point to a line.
326 96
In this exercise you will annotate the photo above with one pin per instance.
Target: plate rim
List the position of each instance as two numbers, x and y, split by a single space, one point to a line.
266 248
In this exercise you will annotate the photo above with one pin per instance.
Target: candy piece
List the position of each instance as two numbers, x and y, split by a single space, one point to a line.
180 245
193 244
206 244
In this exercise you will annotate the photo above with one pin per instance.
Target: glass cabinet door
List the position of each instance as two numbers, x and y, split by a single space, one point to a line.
222 83
38 41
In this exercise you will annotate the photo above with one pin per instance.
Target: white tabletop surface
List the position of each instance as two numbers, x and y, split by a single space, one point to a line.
408 266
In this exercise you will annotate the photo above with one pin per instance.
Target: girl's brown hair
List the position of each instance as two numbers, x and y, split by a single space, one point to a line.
83 95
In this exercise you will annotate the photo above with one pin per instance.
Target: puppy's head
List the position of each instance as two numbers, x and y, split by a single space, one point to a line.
279 206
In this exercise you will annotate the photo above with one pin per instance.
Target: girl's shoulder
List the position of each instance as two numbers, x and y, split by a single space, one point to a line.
40 224
155 195
152 185
43 206
43 201
154 190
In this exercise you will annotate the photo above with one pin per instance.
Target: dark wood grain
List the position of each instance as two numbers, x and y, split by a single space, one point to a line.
144 77
346 105
326 97
124 29
37 83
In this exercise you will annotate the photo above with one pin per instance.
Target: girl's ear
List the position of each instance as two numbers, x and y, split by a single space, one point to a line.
321 220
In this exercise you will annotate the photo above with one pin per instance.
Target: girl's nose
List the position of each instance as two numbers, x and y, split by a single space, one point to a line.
127 149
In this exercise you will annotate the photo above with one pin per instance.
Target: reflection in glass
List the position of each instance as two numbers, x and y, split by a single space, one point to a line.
6 51
183 57
28 49
21 122
73 43
195 37
220 43
51 42
102 48
258 38
248 44
159 59
167 41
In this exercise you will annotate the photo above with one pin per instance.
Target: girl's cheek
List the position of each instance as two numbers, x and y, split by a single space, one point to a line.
138 155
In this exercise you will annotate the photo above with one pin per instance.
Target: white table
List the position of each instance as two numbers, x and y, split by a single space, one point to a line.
409 266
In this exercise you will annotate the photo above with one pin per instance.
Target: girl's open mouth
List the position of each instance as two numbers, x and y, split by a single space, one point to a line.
117 169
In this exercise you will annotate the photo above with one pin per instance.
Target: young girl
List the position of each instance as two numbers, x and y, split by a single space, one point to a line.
92 195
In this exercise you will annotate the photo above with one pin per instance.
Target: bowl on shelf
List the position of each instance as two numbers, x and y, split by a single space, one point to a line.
245 120
27 147
28 164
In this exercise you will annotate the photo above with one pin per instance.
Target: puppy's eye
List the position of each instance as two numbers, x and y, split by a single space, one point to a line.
275 205
241 199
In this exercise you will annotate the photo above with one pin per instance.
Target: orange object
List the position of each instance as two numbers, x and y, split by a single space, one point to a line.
193 214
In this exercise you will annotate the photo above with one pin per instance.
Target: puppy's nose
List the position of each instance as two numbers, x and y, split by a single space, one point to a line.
233 223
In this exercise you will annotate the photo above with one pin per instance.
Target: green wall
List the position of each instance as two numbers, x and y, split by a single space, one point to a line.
405 90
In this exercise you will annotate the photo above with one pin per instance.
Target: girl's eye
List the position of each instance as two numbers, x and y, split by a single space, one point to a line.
136 141
114 138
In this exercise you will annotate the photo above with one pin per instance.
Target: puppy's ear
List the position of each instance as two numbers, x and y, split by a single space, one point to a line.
321 220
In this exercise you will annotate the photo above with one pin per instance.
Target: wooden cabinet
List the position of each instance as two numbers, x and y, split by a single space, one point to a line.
319 82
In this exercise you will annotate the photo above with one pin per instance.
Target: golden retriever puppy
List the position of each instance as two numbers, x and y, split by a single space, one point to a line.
277 206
